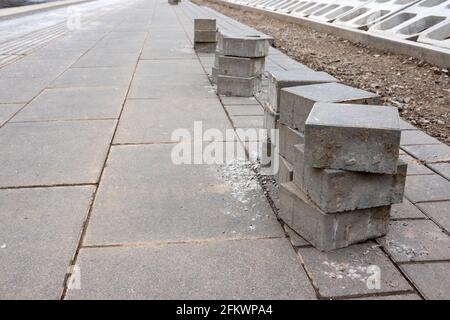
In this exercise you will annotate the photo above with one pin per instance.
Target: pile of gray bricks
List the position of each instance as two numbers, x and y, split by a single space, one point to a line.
205 35
239 64
339 168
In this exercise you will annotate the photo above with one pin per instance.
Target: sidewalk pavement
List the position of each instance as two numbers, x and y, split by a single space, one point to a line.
87 180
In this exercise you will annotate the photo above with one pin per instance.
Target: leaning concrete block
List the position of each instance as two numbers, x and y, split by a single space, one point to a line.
237 86
285 170
247 47
339 190
329 231
203 24
205 47
297 102
291 78
204 36
240 67
353 137
288 138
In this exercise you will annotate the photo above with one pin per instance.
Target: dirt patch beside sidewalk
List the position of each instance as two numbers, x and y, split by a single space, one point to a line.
420 91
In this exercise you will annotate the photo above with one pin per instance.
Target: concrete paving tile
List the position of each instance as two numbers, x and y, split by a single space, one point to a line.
415 167
144 121
19 90
238 100
33 68
163 67
171 86
39 233
157 50
442 168
250 269
49 153
295 239
97 58
245 110
416 240
94 77
406 210
416 137
248 121
7 111
432 279
427 188
144 196
438 211
74 104
430 153
346 272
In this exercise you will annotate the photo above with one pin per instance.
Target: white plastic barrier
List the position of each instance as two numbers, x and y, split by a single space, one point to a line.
310 7
424 18
336 9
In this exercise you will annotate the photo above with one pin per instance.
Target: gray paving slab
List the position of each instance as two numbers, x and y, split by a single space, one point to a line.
415 167
430 153
157 50
171 86
406 210
248 121
410 296
50 153
405 125
144 196
102 58
74 104
295 239
438 211
251 269
7 111
38 237
245 110
94 77
35 68
427 188
416 240
19 91
145 121
431 279
442 168
347 272
163 67
414 137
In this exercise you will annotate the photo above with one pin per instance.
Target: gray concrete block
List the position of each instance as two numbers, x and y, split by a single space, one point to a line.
347 272
285 170
247 47
205 36
241 67
237 86
352 137
296 102
330 231
205 47
416 240
205 24
431 279
288 138
284 79
248 269
339 190
214 74
173 2
438 211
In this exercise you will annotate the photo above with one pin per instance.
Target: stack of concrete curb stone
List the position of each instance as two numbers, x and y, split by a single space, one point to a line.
240 64
345 167
174 1
205 37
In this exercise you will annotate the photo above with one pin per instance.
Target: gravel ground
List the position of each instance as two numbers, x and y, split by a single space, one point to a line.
420 91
